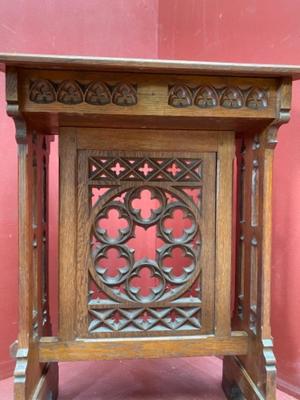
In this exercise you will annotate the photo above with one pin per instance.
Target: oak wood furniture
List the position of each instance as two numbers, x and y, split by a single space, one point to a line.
194 143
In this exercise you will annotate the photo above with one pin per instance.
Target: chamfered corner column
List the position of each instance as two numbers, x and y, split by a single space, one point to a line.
253 376
33 380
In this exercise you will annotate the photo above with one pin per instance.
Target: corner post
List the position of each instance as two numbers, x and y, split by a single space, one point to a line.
253 376
32 379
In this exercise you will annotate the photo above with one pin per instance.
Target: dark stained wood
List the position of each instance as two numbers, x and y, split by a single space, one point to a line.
170 129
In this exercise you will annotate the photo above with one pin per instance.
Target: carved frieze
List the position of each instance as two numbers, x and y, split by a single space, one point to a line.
72 92
207 96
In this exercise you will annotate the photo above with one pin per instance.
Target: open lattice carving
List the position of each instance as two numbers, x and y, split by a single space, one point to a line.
145 169
166 284
143 319
134 289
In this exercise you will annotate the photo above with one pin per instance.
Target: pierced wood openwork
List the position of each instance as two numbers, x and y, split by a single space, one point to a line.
132 198
146 171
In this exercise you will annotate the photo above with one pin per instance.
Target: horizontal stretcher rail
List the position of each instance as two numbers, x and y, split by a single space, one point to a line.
52 349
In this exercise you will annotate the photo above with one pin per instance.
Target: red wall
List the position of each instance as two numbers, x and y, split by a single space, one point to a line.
218 30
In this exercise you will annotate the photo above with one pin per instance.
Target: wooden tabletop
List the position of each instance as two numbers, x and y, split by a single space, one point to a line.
147 65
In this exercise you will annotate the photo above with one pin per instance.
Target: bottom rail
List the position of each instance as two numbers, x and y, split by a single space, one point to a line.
53 349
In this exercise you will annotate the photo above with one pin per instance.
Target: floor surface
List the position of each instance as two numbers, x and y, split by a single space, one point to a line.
163 379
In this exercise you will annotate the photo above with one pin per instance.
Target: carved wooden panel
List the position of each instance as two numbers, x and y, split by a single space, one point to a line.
72 92
39 152
208 96
144 256
249 232
116 94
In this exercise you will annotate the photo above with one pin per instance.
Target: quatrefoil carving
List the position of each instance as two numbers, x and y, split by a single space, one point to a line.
177 232
158 202
153 290
123 233
120 273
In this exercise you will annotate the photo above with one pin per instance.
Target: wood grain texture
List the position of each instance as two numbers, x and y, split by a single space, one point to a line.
146 139
152 94
223 233
25 253
209 238
34 317
266 245
83 246
47 387
245 387
147 65
67 235
104 143
125 111
109 349
254 273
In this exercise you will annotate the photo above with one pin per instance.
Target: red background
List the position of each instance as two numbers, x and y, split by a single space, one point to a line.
214 30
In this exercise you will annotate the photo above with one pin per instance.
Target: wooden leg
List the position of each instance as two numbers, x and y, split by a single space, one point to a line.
33 380
253 376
